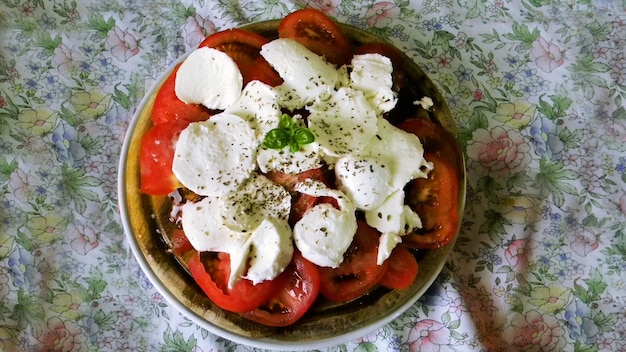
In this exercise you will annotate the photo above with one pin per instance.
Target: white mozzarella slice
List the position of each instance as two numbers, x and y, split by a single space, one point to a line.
400 151
305 74
214 157
283 160
371 73
344 76
324 233
386 243
271 250
343 124
426 103
202 224
393 216
239 261
258 104
392 219
256 199
364 179
208 77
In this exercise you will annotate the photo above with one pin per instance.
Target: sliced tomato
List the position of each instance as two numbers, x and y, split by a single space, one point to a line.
318 33
434 138
156 157
244 48
402 269
301 203
262 71
180 243
167 106
395 55
211 272
289 181
358 273
435 199
291 301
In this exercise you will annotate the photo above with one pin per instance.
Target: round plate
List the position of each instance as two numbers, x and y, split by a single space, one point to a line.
145 219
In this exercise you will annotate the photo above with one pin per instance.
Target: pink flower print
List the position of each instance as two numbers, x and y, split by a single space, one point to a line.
59 335
197 28
570 159
618 40
582 242
428 335
23 185
83 238
498 152
518 253
381 14
457 307
123 44
617 60
548 56
329 7
601 53
28 10
371 337
66 60
619 25
443 62
537 332
157 298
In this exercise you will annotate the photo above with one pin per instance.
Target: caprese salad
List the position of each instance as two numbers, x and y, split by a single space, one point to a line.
288 178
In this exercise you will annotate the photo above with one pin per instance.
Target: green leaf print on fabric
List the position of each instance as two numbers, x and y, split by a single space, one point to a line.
550 181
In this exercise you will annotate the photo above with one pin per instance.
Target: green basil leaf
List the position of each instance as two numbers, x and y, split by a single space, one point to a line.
304 136
286 122
287 133
294 146
276 139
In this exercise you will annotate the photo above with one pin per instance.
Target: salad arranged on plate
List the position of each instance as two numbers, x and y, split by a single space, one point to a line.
296 170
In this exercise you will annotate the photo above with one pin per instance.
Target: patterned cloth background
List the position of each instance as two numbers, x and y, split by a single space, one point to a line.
538 90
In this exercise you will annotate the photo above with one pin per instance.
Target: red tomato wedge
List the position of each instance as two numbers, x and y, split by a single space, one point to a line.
358 273
180 243
211 271
434 198
434 138
244 48
291 301
301 203
167 106
289 181
156 157
318 33
402 269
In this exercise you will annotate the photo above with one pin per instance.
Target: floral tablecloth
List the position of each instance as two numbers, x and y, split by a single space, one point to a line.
538 90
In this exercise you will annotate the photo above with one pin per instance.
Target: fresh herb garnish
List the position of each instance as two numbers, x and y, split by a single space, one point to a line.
288 134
